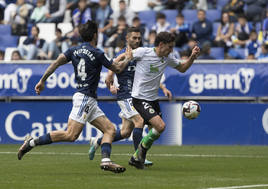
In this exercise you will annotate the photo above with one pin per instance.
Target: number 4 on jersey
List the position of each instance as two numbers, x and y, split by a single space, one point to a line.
81 69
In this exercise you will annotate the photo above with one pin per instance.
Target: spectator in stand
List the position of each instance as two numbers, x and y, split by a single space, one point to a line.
123 11
264 52
74 37
224 32
55 10
81 14
2 55
57 46
181 31
17 13
184 55
253 46
242 31
136 22
71 4
103 17
175 4
161 24
117 33
254 9
234 8
156 5
2 10
36 47
189 46
202 29
264 32
15 55
39 12
151 39
205 52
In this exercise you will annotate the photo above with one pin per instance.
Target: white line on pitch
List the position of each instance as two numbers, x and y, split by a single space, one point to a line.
160 155
245 186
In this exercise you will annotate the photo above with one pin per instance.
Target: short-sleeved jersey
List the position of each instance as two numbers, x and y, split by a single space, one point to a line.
149 70
125 79
87 62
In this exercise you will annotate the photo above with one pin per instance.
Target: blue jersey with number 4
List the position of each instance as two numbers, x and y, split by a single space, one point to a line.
87 62
125 79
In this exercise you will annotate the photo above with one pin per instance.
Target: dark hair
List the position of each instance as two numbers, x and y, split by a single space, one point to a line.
88 30
16 51
133 29
164 37
180 15
58 30
136 18
121 18
160 16
37 28
152 32
202 10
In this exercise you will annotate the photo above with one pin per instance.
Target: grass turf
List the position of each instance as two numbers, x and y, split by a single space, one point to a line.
186 167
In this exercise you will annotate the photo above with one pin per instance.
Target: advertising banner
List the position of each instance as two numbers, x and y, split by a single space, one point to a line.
232 79
217 124
19 119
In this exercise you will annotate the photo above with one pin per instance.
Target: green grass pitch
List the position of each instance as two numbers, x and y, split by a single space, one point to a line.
187 167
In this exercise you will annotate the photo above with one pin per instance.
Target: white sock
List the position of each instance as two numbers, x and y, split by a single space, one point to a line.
105 159
32 144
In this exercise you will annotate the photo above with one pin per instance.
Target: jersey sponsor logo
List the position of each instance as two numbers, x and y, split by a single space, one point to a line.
153 69
17 80
240 80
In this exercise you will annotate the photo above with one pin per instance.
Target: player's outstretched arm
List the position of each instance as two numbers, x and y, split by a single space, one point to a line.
188 63
122 61
52 67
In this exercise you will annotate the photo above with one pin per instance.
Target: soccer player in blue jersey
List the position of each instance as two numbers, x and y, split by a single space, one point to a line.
87 61
131 119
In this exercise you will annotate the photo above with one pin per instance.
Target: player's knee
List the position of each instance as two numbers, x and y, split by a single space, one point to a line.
161 127
110 130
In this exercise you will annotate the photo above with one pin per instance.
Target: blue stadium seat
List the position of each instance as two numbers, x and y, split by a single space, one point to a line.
213 15
217 52
221 3
8 41
148 18
170 16
237 53
5 29
190 15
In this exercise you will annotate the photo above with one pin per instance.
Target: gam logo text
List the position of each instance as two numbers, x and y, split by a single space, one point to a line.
240 80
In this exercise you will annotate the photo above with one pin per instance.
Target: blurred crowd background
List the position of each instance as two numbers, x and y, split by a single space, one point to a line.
224 29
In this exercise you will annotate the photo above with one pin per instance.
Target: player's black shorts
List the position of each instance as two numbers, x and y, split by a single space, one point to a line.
147 109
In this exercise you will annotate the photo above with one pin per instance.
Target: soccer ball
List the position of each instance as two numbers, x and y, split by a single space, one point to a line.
191 109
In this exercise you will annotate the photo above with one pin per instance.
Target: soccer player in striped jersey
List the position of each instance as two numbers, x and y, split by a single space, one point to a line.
87 61
131 120
150 66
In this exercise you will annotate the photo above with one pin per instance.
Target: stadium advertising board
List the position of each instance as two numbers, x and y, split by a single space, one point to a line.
19 119
200 80
217 124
